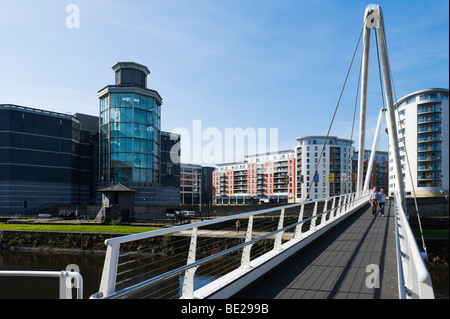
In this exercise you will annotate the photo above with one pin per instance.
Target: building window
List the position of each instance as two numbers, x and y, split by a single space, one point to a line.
169 169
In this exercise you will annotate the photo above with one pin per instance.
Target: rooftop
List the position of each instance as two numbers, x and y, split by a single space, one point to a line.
131 65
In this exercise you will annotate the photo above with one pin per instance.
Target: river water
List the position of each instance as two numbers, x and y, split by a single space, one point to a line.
91 266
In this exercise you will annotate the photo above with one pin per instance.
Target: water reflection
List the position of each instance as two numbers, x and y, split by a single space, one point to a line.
90 264
439 279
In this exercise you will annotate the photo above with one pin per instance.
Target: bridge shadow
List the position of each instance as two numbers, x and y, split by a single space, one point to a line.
334 265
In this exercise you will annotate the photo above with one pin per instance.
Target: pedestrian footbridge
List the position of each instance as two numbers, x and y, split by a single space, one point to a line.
326 248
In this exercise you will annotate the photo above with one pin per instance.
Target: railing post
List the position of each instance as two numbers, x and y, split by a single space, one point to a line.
313 220
279 236
64 291
344 206
298 228
338 209
333 210
245 260
188 282
323 219
108 281
352 201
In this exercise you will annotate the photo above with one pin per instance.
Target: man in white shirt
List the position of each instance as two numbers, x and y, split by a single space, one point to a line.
382 201
373 200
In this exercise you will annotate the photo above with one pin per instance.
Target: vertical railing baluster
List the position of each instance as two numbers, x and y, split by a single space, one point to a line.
279 236
324 215
344 205
332 211
188 283
109 274
313 220
298 228
245 260
338 209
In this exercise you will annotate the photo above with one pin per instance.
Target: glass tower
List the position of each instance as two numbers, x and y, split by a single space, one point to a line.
129 128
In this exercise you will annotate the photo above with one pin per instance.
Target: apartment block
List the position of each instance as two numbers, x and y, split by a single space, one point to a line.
267 177
323 175
380 170
423 133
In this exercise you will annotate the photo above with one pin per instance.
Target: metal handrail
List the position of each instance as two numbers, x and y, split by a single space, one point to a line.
414 278
109 272
65 288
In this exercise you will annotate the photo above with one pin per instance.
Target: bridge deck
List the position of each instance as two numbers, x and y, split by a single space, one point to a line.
334 266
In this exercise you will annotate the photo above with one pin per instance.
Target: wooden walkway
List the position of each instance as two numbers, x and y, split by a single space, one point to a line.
335 265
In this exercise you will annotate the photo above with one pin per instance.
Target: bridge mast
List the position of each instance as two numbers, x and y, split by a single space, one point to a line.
373 18
362 115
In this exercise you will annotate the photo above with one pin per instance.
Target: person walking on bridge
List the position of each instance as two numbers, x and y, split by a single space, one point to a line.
238 226
373 200
382 201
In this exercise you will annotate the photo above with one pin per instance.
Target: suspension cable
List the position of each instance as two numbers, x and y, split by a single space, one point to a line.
349 160
335 110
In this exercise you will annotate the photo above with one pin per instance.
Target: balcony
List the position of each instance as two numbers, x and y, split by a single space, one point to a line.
429 138
424 109
240 173
429 177
428 157
435 166
436 118
429 148
429 128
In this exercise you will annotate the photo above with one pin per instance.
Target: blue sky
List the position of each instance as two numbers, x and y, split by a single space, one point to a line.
247 64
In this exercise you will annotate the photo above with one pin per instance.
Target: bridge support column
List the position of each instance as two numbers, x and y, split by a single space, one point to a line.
391 124
362 117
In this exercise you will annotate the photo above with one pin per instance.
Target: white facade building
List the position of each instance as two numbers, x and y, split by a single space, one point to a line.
422 121
333 170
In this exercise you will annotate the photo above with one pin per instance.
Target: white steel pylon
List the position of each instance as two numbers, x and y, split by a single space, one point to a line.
373 18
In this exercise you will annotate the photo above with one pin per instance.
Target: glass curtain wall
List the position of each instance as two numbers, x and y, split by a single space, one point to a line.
129 138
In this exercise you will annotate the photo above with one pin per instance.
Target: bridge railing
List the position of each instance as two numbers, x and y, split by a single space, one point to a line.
414 280
198 259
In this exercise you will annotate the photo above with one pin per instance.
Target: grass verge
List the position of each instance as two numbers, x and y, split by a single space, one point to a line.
118 229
